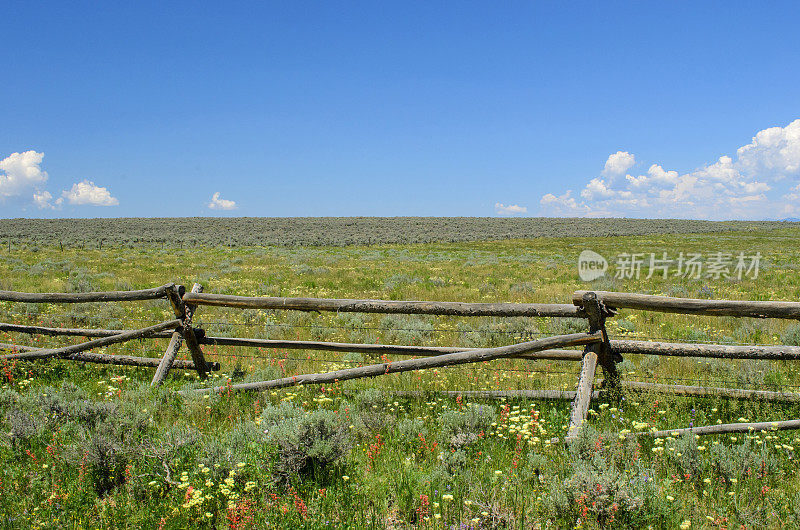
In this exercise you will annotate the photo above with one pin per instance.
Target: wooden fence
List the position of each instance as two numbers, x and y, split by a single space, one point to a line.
594 307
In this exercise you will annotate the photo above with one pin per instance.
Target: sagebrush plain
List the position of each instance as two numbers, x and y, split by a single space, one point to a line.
91 446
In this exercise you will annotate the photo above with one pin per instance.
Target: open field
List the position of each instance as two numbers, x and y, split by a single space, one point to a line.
336 231
93 446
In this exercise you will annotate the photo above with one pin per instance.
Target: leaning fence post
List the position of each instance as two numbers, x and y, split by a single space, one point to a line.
186 312
601 351
597 312
191 339
175 299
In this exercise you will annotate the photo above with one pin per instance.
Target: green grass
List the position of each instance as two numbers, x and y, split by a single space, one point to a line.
94 447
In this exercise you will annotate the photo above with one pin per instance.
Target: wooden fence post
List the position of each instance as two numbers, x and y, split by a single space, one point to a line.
597 312
175 299
185 313
601 351
191 339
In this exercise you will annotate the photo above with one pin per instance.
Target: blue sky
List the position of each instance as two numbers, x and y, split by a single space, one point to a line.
430 108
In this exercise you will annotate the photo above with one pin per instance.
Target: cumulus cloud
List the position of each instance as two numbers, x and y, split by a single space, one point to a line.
775 150
511 209
563 205
792 198
756 184
21 176
20 173
619 163
218 203
42 200
87 193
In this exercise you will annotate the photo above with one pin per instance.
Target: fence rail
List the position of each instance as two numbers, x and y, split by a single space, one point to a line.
594 306
696 306
75 298
386 306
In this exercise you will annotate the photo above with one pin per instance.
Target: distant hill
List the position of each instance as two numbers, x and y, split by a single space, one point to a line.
339 231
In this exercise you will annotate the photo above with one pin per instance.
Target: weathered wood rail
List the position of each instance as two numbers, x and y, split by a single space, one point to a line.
727 428
121 360
96 343
76 298
105 337
447 359
696 306
593 306
465 309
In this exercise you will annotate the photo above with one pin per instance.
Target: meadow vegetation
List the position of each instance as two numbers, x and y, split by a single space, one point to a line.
91 446
336 231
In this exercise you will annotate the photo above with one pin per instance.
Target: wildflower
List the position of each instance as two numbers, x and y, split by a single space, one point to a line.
686 524
447 497
670 498
498 472
240 464
345 478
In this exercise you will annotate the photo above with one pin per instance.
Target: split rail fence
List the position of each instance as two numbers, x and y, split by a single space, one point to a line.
594 307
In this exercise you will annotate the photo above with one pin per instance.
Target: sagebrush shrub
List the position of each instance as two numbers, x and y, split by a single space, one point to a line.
308 442
462 428
607 486
245 442
370 415
71 403
23 427
409 429
8 398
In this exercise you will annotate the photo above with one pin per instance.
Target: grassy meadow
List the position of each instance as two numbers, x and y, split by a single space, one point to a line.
90 446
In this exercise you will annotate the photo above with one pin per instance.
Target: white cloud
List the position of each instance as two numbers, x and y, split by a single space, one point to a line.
751 186
563 205
792 205
619 163
87 193
42 200
221 204
776 150
794 194
596 188
20 173
511 209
